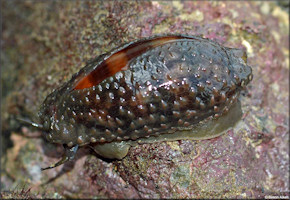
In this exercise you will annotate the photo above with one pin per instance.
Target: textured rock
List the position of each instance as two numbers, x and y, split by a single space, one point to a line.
45 43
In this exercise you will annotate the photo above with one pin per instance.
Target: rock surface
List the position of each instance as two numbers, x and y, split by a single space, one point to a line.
44 43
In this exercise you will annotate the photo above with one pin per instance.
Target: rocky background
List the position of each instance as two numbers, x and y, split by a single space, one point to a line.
44 43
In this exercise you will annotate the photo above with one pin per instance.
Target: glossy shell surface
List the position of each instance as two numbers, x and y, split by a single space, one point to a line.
146 88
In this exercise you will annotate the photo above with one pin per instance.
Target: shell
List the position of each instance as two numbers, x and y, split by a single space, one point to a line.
146 88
